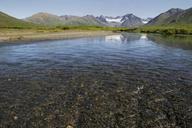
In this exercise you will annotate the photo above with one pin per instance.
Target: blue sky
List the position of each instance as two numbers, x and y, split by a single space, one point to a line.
141 8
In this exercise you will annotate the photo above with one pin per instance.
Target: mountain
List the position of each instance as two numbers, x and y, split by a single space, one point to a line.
7 21
184 17
102 18
88 20
50 19
128 20
111 21
44 19
166 17
131 20
172 16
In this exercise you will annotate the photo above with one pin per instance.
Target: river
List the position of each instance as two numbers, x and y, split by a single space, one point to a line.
119 81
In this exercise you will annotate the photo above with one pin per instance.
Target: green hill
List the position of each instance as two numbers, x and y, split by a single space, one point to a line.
44 19
163 17
7 21
173 16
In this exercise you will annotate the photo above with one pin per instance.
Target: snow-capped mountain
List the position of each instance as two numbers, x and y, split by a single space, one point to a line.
128 20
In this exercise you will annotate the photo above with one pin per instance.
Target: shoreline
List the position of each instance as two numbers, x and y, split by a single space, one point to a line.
14 36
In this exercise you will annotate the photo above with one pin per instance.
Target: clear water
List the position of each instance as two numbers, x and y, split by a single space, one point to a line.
127 80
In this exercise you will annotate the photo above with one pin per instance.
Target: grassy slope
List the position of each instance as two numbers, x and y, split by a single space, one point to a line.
7 21
170 23
166 17
45 19
185 17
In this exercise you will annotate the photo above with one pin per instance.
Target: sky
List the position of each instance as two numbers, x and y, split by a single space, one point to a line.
141 8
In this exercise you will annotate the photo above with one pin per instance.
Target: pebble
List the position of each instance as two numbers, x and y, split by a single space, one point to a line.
15 117
69 126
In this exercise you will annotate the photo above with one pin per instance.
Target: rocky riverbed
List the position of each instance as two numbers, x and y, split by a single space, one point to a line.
101 82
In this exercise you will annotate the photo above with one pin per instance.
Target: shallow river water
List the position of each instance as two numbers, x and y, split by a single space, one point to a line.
119 81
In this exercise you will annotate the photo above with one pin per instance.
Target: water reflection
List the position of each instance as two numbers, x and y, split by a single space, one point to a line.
125 37
184 42
113 38
144 36
179 41
130 37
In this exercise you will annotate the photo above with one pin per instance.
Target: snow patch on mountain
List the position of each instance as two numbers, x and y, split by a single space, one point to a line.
145 21
117 20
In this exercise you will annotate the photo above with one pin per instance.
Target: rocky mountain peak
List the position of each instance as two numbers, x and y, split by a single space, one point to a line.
102 18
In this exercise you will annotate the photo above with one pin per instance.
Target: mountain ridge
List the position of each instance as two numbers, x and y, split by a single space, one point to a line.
170 17
173 16
68 20
128 20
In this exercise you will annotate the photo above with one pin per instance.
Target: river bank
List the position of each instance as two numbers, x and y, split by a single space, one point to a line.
14 35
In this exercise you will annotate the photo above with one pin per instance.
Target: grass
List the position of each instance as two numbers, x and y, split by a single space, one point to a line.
61 28
92 28
163 29
174 29
52 33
